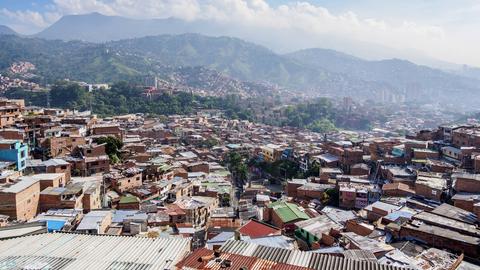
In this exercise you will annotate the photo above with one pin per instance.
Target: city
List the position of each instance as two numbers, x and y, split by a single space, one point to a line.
137 140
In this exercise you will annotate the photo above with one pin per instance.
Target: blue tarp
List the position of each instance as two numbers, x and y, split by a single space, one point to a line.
55 225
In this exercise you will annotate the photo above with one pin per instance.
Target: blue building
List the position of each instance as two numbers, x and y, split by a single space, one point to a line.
14 151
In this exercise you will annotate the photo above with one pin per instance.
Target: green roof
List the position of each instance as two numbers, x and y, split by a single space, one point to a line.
128 199
288 212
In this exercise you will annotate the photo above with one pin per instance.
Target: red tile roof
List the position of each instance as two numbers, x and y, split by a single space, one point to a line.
256 229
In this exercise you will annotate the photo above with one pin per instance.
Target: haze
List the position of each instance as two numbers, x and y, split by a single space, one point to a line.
436 33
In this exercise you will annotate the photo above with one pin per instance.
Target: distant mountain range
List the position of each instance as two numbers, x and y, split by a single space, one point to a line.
95 27
315 71
5 30
312 71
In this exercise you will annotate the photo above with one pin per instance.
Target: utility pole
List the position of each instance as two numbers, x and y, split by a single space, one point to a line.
48 98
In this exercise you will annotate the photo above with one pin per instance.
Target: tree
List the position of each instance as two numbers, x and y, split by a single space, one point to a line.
314 170
69 94
237 166
323 125
210 142
112 147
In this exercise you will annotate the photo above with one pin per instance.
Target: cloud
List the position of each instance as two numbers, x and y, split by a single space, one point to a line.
27 21
298 16
283 27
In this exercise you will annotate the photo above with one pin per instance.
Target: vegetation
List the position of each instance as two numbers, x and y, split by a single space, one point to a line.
113 146
237 166
318 116
125 98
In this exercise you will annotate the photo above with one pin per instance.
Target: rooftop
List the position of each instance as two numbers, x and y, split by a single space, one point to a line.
288 212
79 251
254 228
311 260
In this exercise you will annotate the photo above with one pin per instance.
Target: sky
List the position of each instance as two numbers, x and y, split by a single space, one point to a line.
447 30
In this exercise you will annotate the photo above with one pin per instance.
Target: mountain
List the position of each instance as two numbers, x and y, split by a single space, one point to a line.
468 71
415 81
245 61
95 27
56 60
5 30
224 64
99 63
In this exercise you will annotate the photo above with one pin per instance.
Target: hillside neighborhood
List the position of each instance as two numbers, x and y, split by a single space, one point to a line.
219 193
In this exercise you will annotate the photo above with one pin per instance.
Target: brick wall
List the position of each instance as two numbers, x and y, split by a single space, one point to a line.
441 242
427 192
23 205
467 185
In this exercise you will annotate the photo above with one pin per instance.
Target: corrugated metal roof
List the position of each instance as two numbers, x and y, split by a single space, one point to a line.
300 258
81 251
230 261
288 212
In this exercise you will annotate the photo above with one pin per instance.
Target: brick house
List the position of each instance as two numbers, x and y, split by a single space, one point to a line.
464 182
431 187
19 200
284 215
126 180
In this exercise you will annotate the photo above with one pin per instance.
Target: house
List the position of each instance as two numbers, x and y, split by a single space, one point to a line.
19 200
129 202
256 229
444 233
95 222
197 209
397 190
466 201
60 219
271 152
10 112
313 191
317 231
125 180
48 179
293 185
87 166
132 221
431 186
62 146
107 129
37 166
355 241
15 151
70 196
465 182
357 194
284 215
379 209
